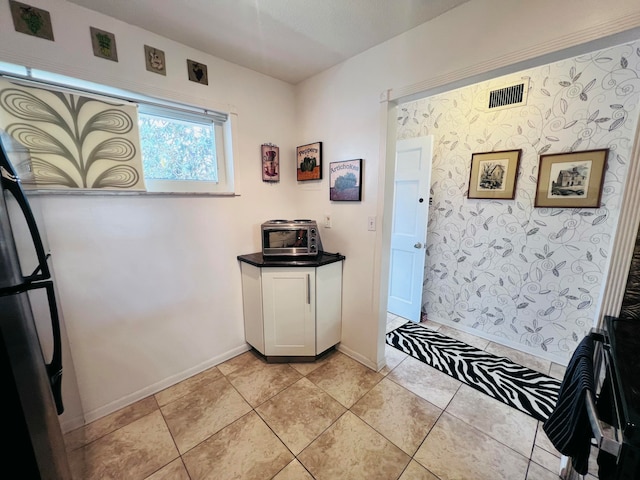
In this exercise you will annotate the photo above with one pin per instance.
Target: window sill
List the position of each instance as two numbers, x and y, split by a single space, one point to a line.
129 193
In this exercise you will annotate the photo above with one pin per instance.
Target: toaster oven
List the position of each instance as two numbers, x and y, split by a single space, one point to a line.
290 238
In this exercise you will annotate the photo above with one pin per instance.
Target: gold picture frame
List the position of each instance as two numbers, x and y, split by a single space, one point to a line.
494 174
571 180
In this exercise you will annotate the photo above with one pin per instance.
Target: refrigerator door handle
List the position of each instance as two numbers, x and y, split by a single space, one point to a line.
11 183
54 367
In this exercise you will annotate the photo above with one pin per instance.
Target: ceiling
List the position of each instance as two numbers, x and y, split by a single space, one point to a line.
287 39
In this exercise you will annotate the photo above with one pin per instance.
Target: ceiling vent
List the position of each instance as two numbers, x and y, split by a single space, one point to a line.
507 97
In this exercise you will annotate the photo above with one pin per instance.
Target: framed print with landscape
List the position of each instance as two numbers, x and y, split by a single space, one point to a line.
309 159
571 180
345 181
494 174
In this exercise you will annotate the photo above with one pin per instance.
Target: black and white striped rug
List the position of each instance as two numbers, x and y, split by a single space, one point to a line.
520 387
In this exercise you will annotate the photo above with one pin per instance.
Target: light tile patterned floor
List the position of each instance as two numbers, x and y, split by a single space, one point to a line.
332 419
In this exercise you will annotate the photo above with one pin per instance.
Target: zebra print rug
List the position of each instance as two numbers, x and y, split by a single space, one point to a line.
524 389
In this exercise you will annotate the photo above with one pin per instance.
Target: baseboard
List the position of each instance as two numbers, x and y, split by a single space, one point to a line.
503 341
155 388
358 358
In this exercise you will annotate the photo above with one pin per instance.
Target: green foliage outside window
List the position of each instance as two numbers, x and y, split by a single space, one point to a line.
177 150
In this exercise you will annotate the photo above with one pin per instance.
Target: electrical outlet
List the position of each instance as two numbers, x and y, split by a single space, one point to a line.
371 224
327 220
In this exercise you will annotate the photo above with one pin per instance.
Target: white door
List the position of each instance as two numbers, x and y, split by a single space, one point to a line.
409 226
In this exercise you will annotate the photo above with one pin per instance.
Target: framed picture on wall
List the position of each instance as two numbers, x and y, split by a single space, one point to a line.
31 20
270 162
309 159
345 181
197 72
571 180
494 174
103 44
154 60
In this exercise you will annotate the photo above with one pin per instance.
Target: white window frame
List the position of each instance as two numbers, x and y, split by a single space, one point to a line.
223 126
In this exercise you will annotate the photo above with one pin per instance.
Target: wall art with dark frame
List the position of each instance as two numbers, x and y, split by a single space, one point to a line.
309 160
571 180
270 162
345 181
31 20
197 72
494 174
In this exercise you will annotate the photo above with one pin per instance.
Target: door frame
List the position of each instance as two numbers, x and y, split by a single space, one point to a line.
388 132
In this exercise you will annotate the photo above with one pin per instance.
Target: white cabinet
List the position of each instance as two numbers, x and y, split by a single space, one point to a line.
292 311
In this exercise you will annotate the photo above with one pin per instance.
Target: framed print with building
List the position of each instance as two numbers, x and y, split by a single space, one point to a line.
571 180
270 162
309 159
345 181
494 174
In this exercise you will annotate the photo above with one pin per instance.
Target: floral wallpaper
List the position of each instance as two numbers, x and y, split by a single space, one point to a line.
524 276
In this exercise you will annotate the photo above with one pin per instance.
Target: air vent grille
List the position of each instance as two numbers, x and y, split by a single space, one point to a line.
507 96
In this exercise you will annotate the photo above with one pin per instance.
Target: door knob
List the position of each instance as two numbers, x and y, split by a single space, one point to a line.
418 245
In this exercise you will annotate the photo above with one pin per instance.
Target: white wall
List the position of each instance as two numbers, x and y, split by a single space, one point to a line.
149 285
341 107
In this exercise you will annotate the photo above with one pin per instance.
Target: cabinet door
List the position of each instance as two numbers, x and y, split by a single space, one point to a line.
328 306
288 297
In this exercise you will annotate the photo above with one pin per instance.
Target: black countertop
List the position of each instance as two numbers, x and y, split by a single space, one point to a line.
259 260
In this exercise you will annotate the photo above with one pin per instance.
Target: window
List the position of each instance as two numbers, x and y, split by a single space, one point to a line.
184 148
181 151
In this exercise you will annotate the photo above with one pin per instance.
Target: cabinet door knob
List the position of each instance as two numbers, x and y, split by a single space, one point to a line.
418 245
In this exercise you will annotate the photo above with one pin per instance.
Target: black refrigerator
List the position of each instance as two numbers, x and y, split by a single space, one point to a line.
34 442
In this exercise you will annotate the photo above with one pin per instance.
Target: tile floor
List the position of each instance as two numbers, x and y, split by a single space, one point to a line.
332 419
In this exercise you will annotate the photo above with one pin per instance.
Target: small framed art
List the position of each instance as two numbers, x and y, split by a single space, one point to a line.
31 20
197 72
270 162
154 60
309 159
571 180
345 181
494 174
103 44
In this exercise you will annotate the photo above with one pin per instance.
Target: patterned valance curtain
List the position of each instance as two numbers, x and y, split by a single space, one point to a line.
74 141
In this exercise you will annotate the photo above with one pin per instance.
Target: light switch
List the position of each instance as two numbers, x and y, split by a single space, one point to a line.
371 225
